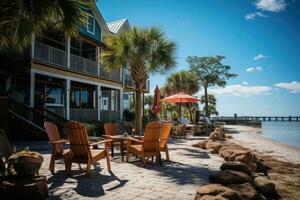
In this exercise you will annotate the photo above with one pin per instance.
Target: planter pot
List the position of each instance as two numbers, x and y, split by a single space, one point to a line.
26 162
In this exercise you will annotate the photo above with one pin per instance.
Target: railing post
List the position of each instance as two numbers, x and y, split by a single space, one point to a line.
68 91
121 104
99 101
32 88
32 45
68 51
98 50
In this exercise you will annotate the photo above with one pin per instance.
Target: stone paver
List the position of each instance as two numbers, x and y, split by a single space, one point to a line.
179 178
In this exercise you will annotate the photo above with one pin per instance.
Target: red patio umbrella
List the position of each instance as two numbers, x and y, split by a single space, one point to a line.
156 108
180 97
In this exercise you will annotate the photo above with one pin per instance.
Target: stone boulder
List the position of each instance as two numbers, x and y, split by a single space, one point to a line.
265 186
228 177
246 191
246 158
262 168
201 144
214 146
236 166
217 134
210 197
216 192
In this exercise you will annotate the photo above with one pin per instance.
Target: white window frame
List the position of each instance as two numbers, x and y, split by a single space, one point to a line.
87 24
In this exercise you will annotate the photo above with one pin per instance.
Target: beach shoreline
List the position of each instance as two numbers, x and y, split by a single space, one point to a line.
283 160
252 138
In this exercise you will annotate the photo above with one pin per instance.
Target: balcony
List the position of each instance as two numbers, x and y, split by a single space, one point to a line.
112 75
83 64
49 54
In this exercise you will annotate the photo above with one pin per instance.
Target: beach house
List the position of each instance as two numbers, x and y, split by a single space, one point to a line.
65 75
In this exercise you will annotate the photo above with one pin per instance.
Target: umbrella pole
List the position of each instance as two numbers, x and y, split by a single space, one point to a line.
179 112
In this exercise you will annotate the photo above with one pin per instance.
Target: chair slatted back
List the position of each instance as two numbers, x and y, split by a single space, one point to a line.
5 148
78 138
53 135
151 137
110 129
165 133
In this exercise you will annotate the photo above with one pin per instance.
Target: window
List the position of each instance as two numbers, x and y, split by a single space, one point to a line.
54 94
90 26
82 97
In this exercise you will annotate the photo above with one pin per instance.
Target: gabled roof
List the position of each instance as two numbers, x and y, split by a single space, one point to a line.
116 26
100 19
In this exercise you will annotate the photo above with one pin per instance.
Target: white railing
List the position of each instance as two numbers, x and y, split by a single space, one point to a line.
83 64
49 54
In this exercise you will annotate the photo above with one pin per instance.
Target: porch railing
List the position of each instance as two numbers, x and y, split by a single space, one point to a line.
109 115
83 115
60 111
83 64
49 54
112 75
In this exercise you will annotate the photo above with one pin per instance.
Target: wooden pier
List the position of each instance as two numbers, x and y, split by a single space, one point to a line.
253 120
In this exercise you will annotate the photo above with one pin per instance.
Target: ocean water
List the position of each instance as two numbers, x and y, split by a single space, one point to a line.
283 132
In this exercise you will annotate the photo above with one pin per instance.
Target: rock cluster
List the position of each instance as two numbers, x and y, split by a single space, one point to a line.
242 176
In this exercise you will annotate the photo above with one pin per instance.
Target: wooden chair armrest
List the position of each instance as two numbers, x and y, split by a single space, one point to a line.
100 142
59 141
106 136
135 140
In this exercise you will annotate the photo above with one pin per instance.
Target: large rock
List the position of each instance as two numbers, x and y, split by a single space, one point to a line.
236 166
210 197
214 146
228 177
262 168
246 191
220 192
201 144
265 186
245 158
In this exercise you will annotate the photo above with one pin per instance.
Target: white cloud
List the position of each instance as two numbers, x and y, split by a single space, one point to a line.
245 83
251 16
293 87
187 21
271 5
254 69
241 90
259 56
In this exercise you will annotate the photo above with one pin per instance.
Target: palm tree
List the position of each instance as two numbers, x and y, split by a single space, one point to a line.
182 81
146 51
20 19
210 72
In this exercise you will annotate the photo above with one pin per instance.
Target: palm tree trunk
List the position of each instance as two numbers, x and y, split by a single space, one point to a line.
206 101
190 112
138 109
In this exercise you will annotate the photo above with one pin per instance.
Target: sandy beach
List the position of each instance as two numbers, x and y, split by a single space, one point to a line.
251 137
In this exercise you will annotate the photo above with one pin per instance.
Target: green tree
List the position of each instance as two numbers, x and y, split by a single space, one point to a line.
210 72
212 102
146 51
20 19
182 81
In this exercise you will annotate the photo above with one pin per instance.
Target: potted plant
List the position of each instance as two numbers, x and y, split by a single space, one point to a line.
26 162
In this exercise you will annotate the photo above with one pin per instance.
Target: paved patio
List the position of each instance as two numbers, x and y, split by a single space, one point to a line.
176 179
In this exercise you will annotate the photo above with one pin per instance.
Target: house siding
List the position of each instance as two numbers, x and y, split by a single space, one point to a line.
97 35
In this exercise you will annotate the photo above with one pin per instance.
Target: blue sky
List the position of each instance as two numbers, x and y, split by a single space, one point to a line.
260 39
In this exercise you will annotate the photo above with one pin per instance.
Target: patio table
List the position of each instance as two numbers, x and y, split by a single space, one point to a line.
118 138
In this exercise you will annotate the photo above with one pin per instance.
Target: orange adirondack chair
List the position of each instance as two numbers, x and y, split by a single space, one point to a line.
164 136
149 146
80 147
57 151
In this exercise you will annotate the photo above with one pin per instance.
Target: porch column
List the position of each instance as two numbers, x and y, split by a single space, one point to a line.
32 45
121 104
98 60
68 51
68 91
99 101
32 88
